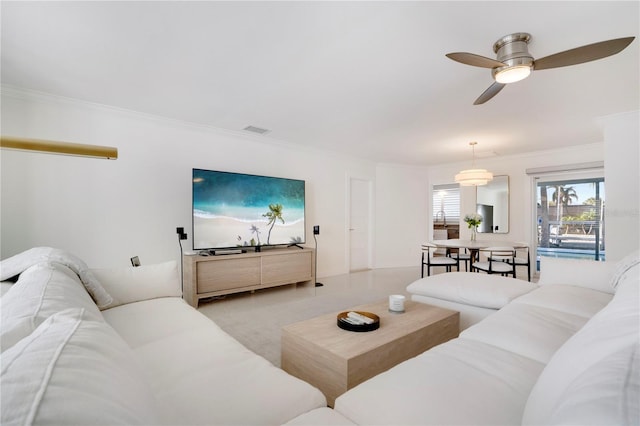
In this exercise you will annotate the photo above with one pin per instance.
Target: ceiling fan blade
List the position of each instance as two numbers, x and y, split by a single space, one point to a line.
582 54
489 93
474 60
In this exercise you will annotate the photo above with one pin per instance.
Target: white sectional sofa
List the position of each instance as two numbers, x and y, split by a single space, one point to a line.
143 357
564 352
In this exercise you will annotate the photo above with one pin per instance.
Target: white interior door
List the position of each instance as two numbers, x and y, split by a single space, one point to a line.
359 224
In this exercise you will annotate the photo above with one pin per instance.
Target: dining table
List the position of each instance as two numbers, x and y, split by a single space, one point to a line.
474 246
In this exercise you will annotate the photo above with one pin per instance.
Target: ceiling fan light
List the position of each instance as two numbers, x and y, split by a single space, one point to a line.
513 74
474 177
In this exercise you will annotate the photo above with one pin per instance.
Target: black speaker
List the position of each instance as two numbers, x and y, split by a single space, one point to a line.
316 231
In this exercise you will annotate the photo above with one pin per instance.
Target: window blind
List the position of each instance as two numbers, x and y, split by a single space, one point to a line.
446 199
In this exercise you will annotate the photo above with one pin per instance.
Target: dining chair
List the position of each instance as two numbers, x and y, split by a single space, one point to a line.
430 260
441 234
522 258
499 260
462 257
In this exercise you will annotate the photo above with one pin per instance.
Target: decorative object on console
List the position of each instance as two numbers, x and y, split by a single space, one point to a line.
55 147
473 176
473 221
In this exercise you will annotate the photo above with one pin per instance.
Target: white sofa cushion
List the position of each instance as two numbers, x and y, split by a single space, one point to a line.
482 290
202 375
594 377
529 331
563 298
461 382
127 285
15 265
71 371
577 272
41 291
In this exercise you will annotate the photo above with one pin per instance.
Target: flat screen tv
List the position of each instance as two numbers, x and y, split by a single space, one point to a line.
236 210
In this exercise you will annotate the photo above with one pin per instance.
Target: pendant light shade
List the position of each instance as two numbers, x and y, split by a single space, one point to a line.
473 176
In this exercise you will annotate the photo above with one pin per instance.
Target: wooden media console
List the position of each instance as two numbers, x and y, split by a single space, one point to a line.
207 276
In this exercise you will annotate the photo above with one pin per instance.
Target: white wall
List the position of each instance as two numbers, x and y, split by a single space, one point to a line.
622 180
107 211
401 214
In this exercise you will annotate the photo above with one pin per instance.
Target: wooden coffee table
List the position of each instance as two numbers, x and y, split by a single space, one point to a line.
335 360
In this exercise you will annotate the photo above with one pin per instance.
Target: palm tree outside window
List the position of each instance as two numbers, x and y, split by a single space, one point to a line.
570 218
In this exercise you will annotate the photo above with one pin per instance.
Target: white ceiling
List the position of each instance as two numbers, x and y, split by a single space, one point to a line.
368 79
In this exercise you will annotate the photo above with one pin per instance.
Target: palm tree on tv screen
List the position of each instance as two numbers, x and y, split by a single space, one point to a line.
274 214
254 230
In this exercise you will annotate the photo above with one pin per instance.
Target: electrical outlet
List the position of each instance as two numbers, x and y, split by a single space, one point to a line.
135 261
316 229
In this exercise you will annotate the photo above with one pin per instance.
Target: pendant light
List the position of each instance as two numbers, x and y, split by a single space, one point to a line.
473 176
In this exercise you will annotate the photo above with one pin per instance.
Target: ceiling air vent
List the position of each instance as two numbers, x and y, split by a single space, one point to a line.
257 130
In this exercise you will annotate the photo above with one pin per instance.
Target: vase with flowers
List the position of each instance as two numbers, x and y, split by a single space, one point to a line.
473 221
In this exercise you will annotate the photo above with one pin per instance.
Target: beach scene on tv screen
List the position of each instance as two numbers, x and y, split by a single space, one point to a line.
239 210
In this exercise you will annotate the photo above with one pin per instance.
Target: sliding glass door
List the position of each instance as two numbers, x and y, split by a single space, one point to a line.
570 217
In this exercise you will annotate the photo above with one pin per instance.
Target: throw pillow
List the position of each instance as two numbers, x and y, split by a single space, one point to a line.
41 291
17 264
577 272
128 285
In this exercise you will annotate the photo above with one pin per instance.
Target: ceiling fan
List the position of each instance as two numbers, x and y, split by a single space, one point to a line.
515 63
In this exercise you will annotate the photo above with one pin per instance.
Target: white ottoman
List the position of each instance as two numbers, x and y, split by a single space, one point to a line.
474 295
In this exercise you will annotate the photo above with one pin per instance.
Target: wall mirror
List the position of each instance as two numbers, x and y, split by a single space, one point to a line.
492 202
